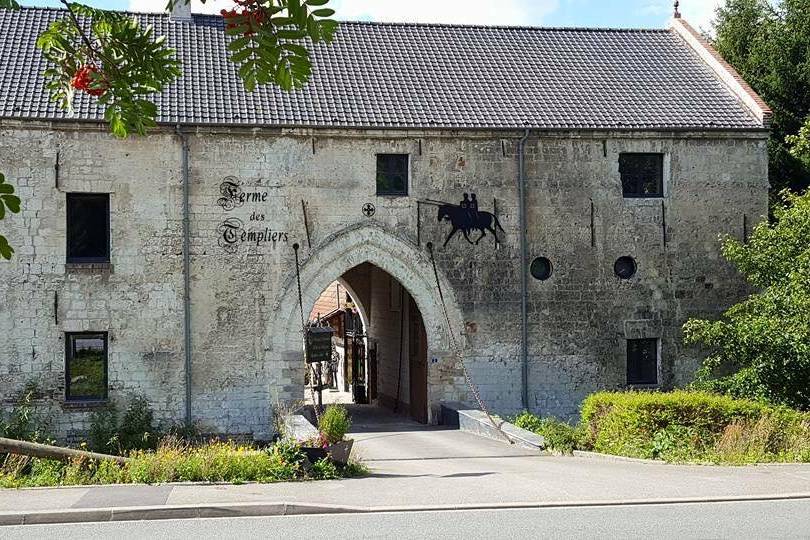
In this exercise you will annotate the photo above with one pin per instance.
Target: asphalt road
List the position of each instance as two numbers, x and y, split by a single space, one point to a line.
738 520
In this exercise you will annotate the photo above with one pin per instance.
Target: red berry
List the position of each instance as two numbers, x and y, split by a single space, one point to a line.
90 80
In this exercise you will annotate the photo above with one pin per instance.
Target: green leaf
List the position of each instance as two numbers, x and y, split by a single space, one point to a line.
327 12
12 202
5 249
9 4
242 55
291 34
239 43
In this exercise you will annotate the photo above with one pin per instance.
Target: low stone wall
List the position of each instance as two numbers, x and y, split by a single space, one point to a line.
472 420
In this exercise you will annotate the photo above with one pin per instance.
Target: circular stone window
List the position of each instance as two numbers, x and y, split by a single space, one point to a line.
625 267
541 268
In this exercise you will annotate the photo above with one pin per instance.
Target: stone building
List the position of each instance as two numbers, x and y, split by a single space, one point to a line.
165 265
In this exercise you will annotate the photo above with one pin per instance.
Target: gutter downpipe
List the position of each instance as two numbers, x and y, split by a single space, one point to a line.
524 260
186 273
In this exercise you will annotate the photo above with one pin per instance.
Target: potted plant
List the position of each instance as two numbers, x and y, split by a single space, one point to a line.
330 442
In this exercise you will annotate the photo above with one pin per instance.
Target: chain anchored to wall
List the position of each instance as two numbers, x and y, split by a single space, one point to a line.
457 351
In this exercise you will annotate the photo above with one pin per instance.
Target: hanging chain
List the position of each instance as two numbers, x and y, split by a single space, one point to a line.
458 354
306 345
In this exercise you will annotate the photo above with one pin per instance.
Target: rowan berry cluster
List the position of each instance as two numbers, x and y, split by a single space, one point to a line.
91 80
252 14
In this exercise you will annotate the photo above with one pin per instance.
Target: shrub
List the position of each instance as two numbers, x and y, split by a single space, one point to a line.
103 436
137 431
693 426
334 423
325 469
559 436
24 423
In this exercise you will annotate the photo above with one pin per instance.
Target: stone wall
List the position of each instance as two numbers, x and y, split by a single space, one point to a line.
245 315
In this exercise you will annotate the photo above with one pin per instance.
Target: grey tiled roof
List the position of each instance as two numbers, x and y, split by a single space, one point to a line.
410 75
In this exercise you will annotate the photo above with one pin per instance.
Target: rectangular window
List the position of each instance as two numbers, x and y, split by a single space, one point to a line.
392 174
642 361
642 175
86 366
88 227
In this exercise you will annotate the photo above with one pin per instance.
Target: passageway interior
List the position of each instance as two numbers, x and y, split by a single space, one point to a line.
378 345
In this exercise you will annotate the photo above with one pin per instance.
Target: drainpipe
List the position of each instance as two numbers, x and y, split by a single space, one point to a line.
524 261
186 273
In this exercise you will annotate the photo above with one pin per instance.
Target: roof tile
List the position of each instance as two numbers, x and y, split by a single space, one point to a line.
377 75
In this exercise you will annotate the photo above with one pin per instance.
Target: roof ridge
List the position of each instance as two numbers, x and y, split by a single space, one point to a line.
599 29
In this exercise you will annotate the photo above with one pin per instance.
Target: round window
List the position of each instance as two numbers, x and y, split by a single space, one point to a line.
541 268
625 267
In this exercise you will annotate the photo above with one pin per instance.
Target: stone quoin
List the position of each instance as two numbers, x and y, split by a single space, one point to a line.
632 152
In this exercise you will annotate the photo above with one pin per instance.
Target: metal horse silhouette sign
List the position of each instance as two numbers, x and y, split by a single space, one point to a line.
465 218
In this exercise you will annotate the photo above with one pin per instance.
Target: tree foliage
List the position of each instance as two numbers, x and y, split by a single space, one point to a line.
769 44
761 347
8 203
109 56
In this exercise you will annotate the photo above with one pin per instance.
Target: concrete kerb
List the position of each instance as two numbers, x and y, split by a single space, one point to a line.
235 510
584 454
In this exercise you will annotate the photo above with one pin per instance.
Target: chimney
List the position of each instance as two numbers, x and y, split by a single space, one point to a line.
181 11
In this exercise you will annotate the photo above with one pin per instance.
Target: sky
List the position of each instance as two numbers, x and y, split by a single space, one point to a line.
600 13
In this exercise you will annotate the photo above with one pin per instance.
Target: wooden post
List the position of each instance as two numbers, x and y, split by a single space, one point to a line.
46 451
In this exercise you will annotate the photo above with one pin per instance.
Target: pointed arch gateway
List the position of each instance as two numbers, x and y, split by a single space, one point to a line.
348 249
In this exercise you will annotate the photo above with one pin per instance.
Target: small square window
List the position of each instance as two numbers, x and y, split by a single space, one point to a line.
392 174
642 175
88 227
642 361
86 366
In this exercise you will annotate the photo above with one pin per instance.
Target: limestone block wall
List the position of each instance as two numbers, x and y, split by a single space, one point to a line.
243 294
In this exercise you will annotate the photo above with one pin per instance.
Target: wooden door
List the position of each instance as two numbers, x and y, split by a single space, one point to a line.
417 364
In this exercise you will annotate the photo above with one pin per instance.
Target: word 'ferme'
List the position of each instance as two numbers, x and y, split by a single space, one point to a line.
233 196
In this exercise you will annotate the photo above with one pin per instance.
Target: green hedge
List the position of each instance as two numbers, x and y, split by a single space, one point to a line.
693 426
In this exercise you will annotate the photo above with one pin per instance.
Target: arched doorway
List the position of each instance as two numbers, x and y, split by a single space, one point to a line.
370 247
378 344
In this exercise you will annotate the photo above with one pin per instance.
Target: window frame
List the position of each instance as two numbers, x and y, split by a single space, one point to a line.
68 228
69 338
663 179
406 190
657 349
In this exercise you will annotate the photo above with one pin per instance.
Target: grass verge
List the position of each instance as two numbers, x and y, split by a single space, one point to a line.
176 461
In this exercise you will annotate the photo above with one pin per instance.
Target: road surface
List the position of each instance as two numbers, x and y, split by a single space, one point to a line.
755 520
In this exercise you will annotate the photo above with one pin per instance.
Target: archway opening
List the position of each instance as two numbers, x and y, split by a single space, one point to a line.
378 345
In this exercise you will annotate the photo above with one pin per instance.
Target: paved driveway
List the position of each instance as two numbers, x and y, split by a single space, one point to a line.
433 465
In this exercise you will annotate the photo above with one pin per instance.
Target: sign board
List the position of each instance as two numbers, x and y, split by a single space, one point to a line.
319 344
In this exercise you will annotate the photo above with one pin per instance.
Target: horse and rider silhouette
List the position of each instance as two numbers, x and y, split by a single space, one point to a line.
465 217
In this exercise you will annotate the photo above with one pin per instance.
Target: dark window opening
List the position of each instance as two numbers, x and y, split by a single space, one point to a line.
88 227
625 267
392 174
541 268
642 175
86 367
642 361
